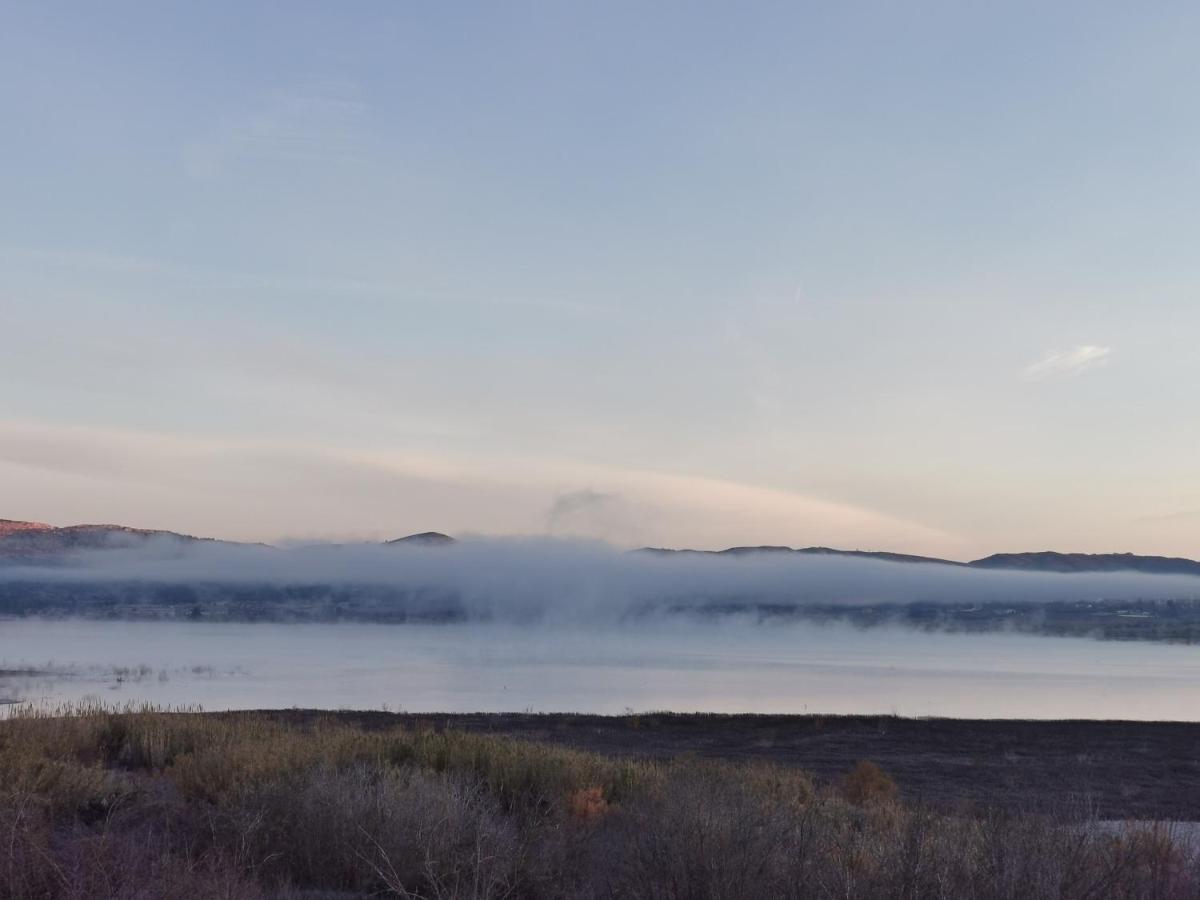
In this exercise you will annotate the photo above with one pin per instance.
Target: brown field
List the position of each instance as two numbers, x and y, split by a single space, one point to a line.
1122 770
129 804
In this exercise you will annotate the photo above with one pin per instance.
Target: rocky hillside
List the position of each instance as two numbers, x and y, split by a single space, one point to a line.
35 540
11 526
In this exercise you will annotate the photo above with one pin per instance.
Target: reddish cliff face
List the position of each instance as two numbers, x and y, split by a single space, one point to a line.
35 540
11 526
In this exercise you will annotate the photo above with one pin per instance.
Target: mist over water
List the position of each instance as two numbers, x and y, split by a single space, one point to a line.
529 580
556 625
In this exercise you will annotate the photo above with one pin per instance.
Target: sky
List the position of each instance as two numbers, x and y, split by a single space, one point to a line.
914 276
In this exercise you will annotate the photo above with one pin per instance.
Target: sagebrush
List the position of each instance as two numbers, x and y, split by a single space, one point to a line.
142 803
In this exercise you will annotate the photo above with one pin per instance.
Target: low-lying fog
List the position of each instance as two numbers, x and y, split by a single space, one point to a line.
523 580
562 626
735 667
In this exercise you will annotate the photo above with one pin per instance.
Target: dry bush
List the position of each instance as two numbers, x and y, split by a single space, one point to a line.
533 780
867 783
137 803
587 803
1157 862
709 830
364 829
139 864
26 862
42 858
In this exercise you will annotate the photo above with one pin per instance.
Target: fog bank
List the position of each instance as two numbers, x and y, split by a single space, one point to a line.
529 579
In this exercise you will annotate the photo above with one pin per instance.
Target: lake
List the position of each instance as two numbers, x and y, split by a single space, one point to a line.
684 667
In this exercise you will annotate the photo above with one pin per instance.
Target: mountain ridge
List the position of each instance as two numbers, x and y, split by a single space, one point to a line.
1054 561
1027 561
20 539
37 540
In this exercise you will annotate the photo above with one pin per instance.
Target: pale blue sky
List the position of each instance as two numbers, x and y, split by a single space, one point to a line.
921 276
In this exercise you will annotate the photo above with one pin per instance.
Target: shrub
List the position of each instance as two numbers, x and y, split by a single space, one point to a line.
867 784
138 803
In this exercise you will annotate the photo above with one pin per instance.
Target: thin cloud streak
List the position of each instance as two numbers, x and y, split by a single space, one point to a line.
1067 363
203 484
306 128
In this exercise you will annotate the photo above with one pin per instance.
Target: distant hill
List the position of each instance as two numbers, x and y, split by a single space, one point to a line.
38 541
1043 561
807 551
1049 561
11 526
35 540
424 539
867 554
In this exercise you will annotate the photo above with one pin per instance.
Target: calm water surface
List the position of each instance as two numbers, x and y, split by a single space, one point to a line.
671 666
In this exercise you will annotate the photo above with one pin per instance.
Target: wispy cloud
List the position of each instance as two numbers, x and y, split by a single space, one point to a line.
1064 363
301 127
246 489
1171 516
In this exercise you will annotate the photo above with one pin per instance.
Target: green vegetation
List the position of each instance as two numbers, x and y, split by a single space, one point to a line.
96 802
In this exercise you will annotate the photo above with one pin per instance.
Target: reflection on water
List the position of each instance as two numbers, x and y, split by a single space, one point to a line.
671 666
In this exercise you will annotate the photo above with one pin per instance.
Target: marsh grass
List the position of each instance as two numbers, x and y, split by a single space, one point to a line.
139 802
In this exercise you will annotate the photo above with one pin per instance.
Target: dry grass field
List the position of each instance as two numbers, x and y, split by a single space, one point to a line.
98 802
